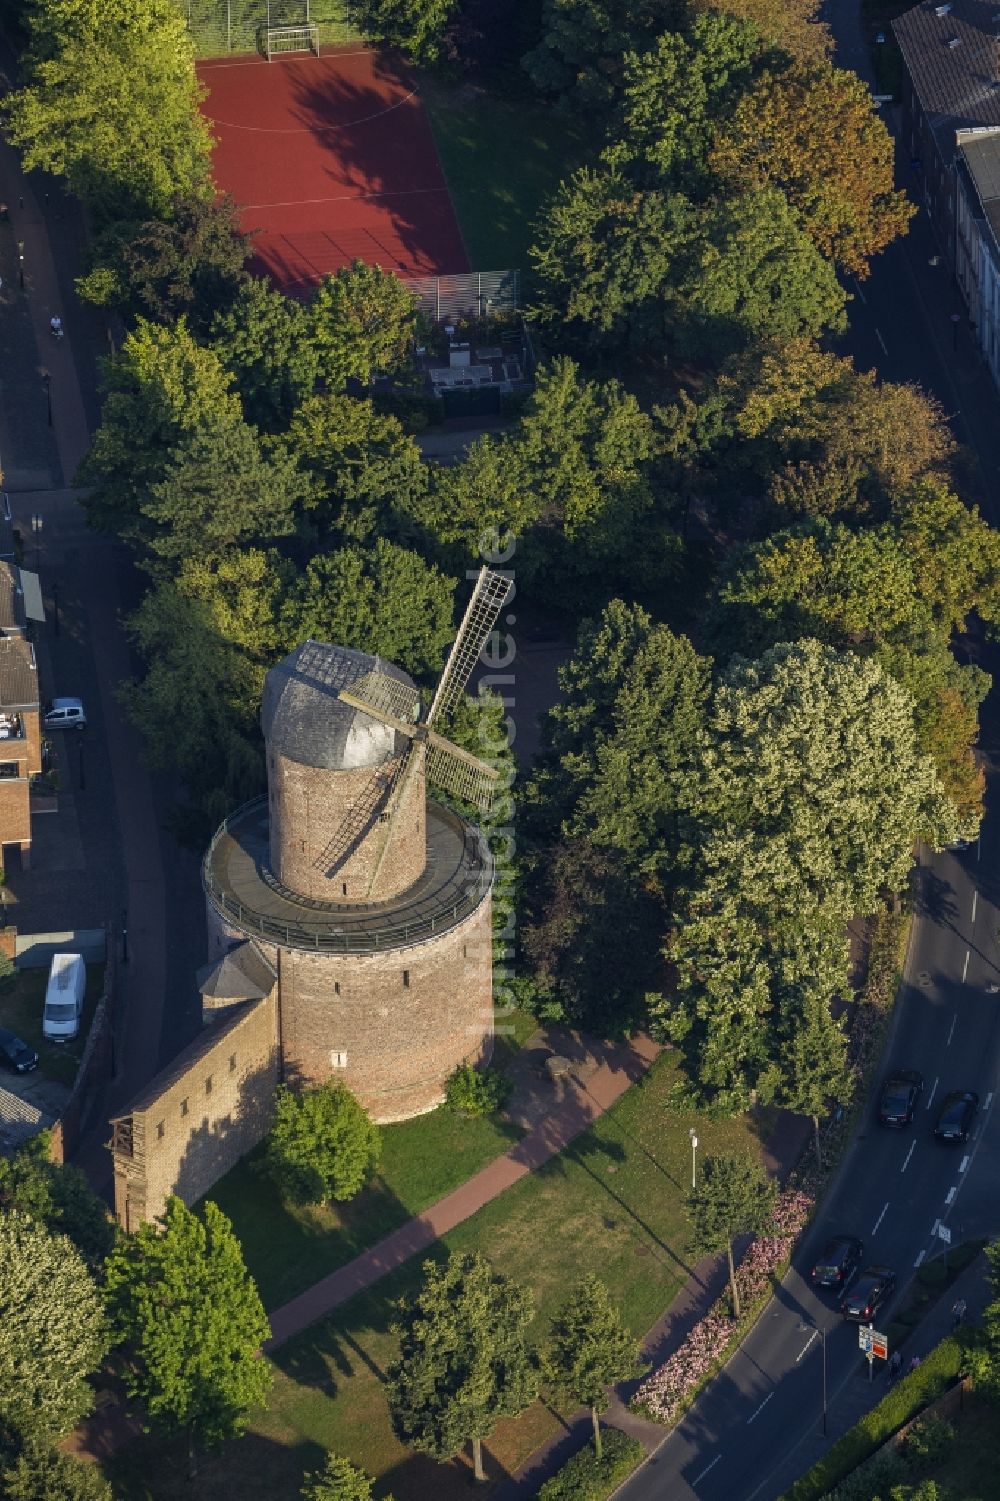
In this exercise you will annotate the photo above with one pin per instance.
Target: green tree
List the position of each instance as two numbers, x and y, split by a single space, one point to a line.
815 1071
734 1197
163 387
54 1329
814 133
190 263
322 1144
181 1297
338 1480
489 492
57 1196
361 322
265 339
580 57
463 1361
110 102
984 1355
416 27
589 1349
40 1473
385 600
368 470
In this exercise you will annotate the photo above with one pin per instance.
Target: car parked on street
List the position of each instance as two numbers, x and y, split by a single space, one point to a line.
899 1097
872 1290
64 714
838 1263
958 1111
17 1054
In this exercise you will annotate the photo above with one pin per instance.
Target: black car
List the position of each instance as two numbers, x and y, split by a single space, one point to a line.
17 1054
872 1289
899 1097
837 1265
958 1111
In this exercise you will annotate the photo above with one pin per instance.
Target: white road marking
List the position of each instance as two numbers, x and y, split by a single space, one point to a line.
881 341
920 1257
979 842
934 1228
963 1164
908 1156
881 1217
975 903
857 288
814 1335
931 1095
965 971
715 1461
951 1031
949 1196
989 1100
760 1408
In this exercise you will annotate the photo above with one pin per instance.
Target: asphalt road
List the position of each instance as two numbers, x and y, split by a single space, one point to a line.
744 1439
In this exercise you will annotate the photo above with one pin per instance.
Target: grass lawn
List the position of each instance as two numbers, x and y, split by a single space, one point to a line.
612 1203
22 997
502 159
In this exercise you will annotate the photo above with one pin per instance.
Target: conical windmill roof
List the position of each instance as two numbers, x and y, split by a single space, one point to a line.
304 720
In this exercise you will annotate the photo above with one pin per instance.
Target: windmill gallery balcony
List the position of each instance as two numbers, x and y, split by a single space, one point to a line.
239 884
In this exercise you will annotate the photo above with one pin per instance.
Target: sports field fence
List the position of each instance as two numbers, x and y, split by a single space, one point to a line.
221 26
471 294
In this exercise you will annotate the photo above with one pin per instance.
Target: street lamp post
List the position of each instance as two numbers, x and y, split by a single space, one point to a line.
20 263
818 1329
47 383
37 523
694 1157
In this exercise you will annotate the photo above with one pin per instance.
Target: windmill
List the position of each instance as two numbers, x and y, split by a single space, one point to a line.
447 765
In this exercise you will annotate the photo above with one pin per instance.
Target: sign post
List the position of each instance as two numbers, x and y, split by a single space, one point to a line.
871 1342
944 1234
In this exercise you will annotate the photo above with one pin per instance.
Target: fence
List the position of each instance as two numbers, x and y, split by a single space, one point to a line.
221 26
472 294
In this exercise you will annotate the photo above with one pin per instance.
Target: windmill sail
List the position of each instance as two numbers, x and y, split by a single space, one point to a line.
480 616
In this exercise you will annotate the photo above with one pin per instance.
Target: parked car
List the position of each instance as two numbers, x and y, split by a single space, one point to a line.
958 1111
871 1291
64 997
899 1097
838 1264
65 714
17 1054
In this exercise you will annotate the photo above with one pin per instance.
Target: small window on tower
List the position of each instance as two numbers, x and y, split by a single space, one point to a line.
406 979
184 1107
208 1084
160 1129
338 1059
336 987
232 1063
344 887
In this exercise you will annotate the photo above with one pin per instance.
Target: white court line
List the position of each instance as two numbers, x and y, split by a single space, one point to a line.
881 1217
920 1257
949 1196
965 971
760 1408
715 1461
934 1228
963 1164
931 1095
346 198
814 1335
857 288
951 1032
314 130
881 341
975 903
908 1156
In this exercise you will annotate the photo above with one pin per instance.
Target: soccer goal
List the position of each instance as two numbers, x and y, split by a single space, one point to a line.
277 40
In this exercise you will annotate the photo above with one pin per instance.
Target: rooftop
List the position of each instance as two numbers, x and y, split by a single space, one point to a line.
982 158
18 674
12 616
239 884
950 52
304 719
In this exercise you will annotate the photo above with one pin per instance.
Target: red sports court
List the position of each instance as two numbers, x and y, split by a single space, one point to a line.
331 159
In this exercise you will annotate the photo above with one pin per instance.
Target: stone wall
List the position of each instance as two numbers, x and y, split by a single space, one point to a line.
308 807
199 1116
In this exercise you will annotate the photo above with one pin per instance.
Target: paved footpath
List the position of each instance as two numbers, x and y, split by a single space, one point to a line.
581 1105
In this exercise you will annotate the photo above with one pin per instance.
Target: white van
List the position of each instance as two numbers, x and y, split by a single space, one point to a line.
64 997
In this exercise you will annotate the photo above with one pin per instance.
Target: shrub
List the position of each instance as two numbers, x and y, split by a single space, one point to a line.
587 1478
41 1474
477 1091
873 1478
929 1441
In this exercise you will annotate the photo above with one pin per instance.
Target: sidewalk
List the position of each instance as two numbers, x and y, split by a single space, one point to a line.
579 1107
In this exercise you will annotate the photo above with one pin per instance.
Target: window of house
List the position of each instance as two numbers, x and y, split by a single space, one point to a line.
232 1063
338 1059
208 1084
8 768
184 1107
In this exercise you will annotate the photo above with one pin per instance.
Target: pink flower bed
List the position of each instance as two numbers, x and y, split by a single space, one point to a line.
663 1393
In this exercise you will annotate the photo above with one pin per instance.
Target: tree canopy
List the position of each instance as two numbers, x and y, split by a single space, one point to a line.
589 1349
56 1196
322 1144
338 1480
734 1196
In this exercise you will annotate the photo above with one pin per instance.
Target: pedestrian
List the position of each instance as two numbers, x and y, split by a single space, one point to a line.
957 1312
895 1365
913 1365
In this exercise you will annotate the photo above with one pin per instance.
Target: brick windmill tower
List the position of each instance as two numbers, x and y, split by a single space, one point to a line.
348 895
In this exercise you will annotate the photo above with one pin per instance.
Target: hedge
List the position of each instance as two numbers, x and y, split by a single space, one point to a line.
936 1372
587 1478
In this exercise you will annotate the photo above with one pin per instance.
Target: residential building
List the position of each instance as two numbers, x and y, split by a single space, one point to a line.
20 737
977 241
